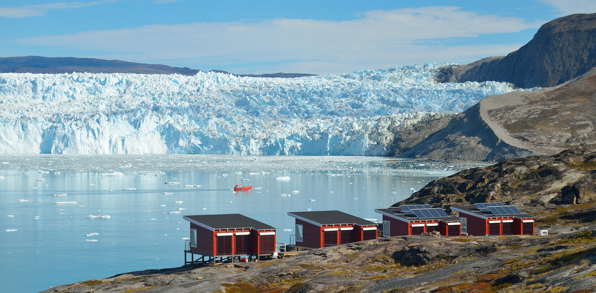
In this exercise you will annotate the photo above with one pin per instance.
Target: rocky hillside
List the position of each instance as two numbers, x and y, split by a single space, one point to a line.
534 182
558 191
512 125
561 50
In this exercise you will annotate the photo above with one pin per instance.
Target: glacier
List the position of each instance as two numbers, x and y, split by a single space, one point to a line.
214 113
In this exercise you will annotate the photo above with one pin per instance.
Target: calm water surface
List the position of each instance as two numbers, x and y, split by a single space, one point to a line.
48 240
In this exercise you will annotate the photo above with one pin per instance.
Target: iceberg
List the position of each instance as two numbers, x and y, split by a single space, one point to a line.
214 113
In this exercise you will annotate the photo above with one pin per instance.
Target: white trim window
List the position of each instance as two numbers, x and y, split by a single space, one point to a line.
193 238
299 233
386 228
464 224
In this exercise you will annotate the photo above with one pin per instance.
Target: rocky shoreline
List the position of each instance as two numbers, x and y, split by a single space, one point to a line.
551 188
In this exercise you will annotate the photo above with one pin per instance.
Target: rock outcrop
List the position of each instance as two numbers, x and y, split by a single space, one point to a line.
566 178
516 124
561 50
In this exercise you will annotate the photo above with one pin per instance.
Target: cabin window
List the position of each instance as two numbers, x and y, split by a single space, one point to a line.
453 230
243 244
330 238
386 229
508 228
224 245
464 224
299 233
494 228
193 237
266 244
528 228
369 234
347 236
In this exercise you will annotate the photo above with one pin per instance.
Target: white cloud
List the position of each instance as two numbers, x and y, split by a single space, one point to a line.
566 7
379 39
39 10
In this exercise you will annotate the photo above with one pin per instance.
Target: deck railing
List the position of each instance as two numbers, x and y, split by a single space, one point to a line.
187 245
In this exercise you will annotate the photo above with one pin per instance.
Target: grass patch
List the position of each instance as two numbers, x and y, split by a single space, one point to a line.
588 275
94 283
377 277
339 273
461 239
455 288
584 166
444 257
580 237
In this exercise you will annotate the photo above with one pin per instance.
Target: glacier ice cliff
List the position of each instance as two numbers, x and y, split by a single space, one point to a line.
214 113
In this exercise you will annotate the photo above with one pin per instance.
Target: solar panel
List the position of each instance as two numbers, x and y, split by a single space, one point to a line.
483 207
430 213
504 210
406 208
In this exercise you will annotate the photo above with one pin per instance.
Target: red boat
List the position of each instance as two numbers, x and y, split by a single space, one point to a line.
242 188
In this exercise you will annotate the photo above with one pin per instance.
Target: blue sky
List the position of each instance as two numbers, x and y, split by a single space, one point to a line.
276 36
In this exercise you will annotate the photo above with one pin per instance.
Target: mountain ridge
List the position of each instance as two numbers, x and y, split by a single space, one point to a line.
561 50
58 65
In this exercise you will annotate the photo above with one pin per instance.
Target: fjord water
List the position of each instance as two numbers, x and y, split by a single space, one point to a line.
48 240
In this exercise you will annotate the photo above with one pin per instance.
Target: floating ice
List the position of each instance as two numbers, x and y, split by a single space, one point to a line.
168 193
181 209
37 218
175 212
283 178
130 188
374 220
10 216
295 192
153 219
163 205
23 200
287 230
98 216
92 234
59 194
284 195
112 174
178 202
64 202
2 177
11 230
91 240
312 200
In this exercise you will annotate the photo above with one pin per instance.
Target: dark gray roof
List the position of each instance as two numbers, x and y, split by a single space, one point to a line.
474 210
397 212
330 218
228 221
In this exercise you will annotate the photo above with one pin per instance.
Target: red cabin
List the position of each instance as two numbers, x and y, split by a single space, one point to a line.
328 228
495 218
418 219
228 236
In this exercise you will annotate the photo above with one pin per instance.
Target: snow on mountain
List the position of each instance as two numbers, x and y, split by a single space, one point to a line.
213 113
